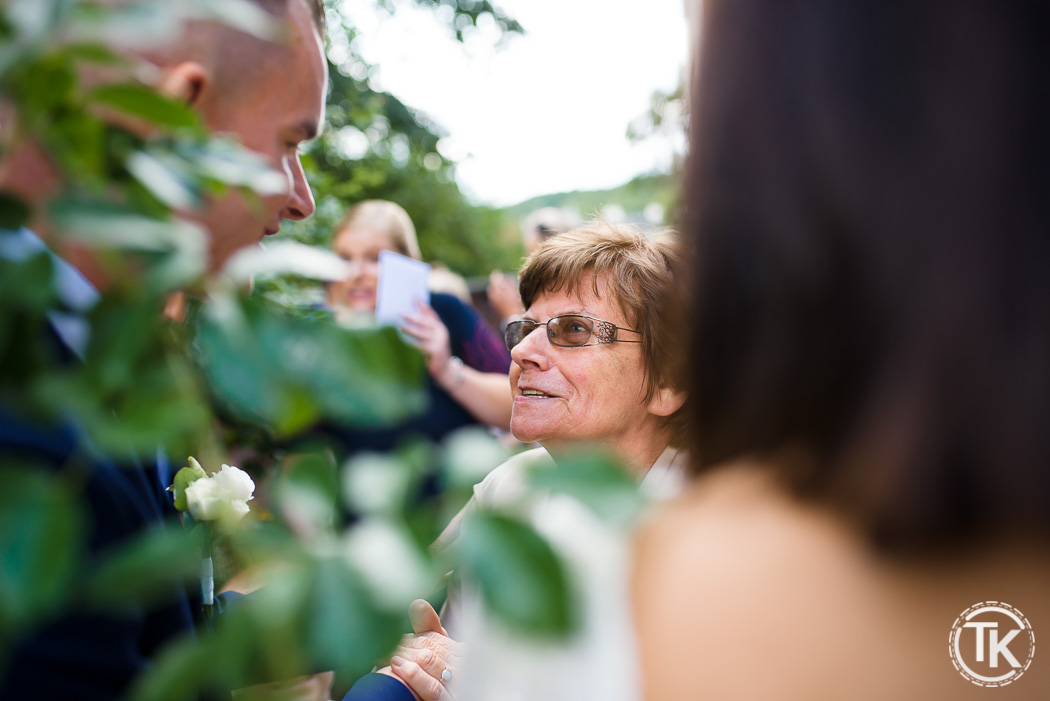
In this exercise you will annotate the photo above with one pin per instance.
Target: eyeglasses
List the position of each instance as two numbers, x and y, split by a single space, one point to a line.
568 331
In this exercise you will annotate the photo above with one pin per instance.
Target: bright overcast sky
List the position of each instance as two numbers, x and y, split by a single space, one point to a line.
546 111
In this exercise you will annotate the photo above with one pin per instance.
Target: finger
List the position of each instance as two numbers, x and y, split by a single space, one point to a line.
414 331
417 319
430 640
441 644
431 662
424 618
427 311
422 684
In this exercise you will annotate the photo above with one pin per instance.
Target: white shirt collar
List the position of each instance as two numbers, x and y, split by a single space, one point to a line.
73 289
668 475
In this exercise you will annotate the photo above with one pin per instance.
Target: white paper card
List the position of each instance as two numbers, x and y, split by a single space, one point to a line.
402 281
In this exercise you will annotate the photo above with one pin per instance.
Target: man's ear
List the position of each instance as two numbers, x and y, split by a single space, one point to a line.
666 401
185 82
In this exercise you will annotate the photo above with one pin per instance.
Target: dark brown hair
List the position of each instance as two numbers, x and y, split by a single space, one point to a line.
645 279
868 189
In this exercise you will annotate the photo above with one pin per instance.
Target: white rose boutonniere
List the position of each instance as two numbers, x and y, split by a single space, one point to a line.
216 501
222 498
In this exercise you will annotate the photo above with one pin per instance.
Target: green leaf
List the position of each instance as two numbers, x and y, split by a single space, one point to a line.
14 212
92 52
312 471
166 177
145 103
41 528
285 372
225 161
307 491
378 484
181 670
598 480
28 284
521 578
347 631
184 478
146 570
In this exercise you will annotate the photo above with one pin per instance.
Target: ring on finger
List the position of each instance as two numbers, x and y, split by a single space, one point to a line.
446 676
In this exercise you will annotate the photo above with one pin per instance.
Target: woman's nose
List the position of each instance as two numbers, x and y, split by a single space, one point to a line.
533 350
354 269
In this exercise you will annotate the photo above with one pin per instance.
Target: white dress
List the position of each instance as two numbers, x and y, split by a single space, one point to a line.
599 661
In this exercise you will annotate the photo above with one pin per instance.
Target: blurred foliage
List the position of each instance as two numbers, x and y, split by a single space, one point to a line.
667 116
376 147
633 197
342 550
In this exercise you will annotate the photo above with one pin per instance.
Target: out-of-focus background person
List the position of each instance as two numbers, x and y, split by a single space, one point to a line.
867 190
536 228
466 361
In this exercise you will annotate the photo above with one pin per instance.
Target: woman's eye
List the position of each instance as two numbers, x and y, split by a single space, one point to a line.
577 328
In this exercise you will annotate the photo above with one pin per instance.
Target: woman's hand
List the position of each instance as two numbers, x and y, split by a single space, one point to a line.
430 335
427 661
503 295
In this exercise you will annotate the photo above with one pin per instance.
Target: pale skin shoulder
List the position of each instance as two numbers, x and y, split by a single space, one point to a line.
742 592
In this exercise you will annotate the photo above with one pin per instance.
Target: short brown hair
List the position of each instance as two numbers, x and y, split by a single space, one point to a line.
280 8
241 61
645 278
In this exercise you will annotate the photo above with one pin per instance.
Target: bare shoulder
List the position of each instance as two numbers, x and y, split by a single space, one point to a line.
741 592
738 518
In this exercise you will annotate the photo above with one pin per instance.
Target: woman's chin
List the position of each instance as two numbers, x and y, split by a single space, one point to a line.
361 304
354 318
533 434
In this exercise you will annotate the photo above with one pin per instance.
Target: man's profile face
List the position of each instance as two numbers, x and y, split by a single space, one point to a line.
273 117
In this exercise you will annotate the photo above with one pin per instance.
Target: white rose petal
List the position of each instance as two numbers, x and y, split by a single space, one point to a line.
222 497
206 500
229 520
235 482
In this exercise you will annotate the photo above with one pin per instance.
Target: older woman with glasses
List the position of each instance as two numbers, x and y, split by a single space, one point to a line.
597 363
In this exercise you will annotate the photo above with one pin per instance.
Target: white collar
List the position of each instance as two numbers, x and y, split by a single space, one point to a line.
667 477
73 289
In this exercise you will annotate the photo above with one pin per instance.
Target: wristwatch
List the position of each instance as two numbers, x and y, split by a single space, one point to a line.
457 371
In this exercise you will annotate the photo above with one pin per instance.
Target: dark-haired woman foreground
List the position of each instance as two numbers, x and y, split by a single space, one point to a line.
868 192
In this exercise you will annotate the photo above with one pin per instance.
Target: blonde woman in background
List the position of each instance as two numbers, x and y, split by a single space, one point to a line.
466 361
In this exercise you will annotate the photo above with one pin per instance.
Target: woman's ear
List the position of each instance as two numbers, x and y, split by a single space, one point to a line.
666 401
185 82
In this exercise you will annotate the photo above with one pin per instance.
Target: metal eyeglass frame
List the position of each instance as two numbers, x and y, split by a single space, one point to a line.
603 331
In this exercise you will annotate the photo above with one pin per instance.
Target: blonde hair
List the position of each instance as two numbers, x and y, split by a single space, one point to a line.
644 276
385 216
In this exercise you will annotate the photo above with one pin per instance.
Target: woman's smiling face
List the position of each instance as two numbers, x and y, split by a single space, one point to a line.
360 248
587 394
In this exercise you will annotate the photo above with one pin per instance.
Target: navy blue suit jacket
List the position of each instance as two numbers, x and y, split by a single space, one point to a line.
80 654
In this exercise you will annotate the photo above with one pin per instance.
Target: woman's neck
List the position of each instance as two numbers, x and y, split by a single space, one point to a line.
638 453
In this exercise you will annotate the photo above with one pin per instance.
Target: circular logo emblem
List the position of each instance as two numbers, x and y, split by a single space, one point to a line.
991 644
